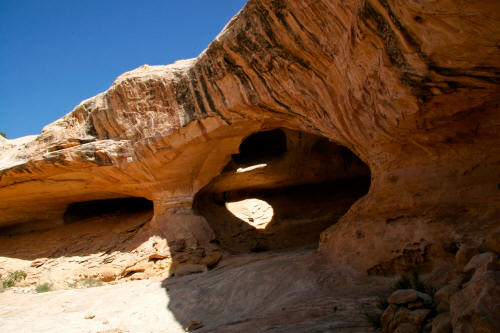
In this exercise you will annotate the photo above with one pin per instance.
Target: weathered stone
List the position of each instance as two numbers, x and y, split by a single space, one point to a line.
211 258
194 325
475 308
481 263
464 254
137 267
442 323
407 328
418 316
405 296
159 256
388 317
487 260
186 269
415 305
442 296
425 298
412 90
394 316
107 273
493 241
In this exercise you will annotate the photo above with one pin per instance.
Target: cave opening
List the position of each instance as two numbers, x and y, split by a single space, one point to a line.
281 191
79 211
261 147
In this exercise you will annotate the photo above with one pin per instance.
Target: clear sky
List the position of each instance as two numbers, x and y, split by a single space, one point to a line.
56 53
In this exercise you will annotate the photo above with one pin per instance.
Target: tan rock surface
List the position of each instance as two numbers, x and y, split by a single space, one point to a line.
239 296
412 88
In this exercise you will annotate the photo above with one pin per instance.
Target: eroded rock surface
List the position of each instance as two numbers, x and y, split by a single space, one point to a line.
412 88
241 295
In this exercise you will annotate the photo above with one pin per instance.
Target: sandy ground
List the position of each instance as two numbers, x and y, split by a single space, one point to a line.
287 291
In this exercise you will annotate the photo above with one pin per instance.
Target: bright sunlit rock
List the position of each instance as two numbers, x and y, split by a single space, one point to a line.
250 168
255 212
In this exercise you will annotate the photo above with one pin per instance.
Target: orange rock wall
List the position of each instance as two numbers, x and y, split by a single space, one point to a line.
411 87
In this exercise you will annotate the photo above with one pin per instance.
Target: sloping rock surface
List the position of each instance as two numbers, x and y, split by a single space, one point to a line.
239 296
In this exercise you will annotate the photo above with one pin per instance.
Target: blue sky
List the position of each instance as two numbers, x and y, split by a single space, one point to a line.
56 53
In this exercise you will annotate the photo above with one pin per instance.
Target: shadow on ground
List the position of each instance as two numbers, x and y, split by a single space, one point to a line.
280 291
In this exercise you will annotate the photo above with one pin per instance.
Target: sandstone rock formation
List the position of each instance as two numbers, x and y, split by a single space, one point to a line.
409 90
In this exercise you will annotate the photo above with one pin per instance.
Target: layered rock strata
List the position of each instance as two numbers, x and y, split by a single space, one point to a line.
410 87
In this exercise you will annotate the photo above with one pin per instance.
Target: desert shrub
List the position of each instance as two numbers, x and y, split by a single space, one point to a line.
12 278
73 285
18 275
3 134
91 282
87 283
43 288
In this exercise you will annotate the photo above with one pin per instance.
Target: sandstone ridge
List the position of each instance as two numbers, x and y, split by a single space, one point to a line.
407 90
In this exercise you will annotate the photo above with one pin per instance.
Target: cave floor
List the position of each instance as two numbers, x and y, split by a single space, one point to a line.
280 291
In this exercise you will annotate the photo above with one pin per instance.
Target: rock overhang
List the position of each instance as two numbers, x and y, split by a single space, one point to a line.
421 114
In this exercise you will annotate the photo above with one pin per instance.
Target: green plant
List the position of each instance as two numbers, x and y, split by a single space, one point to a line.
12 278
7 284
3 134
87 283
18 275
91 282
374 320
43 288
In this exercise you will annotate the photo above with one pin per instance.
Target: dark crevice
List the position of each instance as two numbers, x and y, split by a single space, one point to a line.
88 209
261 147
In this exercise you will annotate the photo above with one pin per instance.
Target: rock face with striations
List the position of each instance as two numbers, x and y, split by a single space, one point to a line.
409 90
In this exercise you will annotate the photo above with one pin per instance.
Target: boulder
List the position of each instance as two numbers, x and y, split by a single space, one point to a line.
464 254
394 317
475 308
405 296
443 294
442 323
481 263
493 241
187 269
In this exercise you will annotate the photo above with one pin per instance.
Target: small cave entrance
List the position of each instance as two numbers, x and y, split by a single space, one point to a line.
282 190
106 208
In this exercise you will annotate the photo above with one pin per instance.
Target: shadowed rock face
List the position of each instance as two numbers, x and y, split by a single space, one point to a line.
283 194
410 87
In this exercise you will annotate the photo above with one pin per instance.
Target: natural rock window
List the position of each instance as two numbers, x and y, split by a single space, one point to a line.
262 147
284 195
255 212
